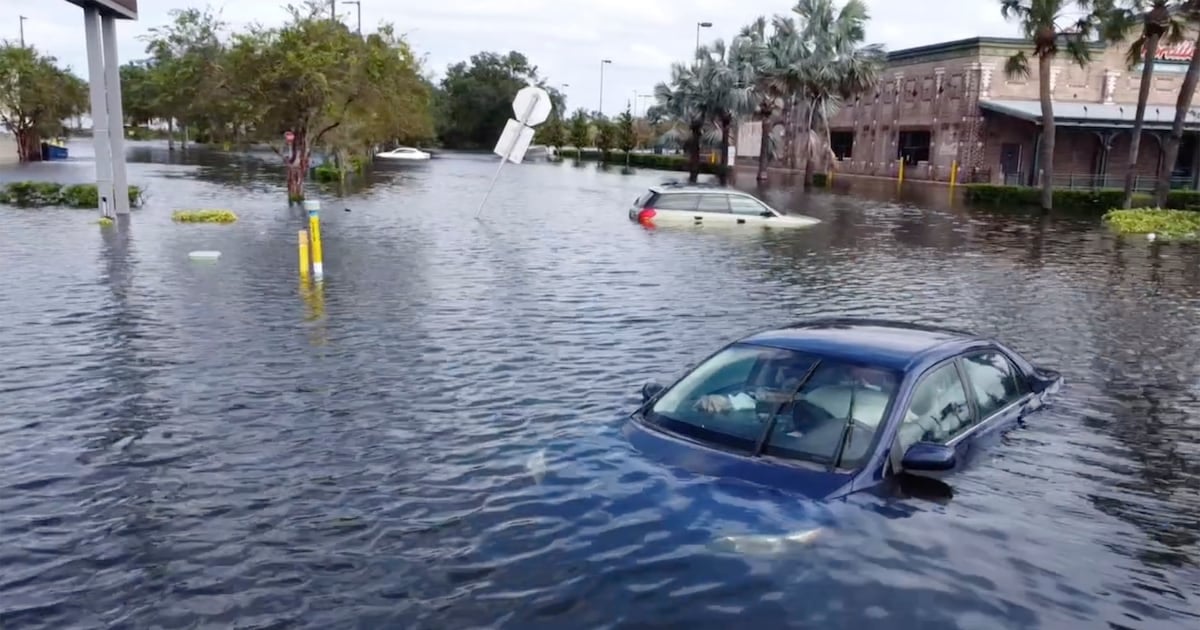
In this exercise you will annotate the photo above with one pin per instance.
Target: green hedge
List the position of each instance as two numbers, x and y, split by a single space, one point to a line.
42 194
641 160
1098 201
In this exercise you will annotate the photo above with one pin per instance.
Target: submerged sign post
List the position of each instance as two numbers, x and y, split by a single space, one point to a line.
531 107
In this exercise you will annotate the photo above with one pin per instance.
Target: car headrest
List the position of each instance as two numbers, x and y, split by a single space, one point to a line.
922 401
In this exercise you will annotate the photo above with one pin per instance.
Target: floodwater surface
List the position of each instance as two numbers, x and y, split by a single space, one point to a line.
430 438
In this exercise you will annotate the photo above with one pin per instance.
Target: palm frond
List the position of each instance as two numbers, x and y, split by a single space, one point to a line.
1017 66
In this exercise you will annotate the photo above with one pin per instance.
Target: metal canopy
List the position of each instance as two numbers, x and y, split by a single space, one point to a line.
1077 114
123 9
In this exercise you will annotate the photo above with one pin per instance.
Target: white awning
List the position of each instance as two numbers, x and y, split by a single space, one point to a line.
1079 114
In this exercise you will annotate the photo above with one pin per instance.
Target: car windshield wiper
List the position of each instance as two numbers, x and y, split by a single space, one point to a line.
766 434
844 441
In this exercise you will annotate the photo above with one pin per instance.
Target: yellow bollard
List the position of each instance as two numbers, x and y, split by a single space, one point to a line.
314 233
302 245
900 178
829 179
954 173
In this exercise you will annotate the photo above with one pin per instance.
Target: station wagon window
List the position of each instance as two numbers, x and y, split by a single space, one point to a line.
680 201
714 203
745 205
994 381
938 411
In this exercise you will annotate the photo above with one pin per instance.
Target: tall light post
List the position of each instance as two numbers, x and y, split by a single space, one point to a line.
23 18
700 25
358 5
603 62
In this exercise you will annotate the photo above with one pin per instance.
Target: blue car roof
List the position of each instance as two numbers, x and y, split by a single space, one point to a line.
889 344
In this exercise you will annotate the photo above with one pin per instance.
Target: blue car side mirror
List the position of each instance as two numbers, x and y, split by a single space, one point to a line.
650 390
927 456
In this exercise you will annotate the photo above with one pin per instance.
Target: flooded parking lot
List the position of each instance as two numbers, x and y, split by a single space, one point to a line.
431 437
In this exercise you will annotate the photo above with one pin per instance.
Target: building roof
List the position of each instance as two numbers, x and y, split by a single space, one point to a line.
965 46
1079 114
894 345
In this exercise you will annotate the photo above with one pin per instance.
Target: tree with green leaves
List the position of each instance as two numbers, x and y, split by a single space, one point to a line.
138 97
36 96
185 69
552 133
580 132
326 85
475 97
627 139
1055 27
606 137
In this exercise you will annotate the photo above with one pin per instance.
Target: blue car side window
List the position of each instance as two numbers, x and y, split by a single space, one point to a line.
938 411
993 380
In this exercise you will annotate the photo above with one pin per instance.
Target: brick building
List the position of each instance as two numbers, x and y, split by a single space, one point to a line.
951 102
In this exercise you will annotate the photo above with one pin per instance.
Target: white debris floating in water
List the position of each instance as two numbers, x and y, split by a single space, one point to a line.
204 255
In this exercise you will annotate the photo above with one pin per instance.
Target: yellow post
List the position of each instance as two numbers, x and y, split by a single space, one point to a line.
900 178
829 179
314 233
302 244
954 173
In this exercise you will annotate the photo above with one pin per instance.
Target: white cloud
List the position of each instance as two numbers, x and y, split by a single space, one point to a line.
565 38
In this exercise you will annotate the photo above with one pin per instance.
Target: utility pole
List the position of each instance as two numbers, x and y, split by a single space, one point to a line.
358 5
333 10
23 18
603 62
699 25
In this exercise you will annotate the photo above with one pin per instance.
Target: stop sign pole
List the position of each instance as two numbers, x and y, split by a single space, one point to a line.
532 107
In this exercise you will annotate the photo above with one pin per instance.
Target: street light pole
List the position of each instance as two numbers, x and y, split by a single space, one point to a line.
700 25
603 62
358 5
23 18
333 10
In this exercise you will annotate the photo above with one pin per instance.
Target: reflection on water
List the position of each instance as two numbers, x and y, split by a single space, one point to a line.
430 436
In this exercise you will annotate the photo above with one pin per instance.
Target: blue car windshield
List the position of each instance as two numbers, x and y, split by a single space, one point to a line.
814 408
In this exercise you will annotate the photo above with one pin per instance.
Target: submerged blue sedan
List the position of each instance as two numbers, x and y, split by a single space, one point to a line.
831 407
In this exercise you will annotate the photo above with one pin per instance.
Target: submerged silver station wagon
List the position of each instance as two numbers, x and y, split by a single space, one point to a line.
708 205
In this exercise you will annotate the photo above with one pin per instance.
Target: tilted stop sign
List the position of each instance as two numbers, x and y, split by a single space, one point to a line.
532 106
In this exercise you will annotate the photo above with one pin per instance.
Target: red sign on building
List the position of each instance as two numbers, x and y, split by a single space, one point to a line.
1176 52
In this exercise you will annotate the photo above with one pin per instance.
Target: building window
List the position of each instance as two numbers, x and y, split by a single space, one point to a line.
842 144
913 146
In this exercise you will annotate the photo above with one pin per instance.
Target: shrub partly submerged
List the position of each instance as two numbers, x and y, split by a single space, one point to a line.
46 194
204 216
1157 221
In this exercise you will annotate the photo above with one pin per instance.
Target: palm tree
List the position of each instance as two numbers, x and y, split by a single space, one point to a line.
1158 22
681 101
1189 10
770 58
833 66
726 78
1040 22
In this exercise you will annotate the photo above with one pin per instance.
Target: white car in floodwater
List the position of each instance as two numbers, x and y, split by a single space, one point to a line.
404 153
693 204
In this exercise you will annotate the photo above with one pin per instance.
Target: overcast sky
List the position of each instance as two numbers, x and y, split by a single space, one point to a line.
566 39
